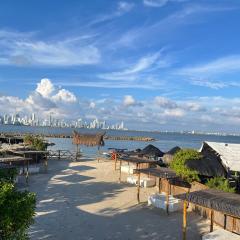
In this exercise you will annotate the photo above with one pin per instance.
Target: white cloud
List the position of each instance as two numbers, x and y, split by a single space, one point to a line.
160 3
156 84
92 105
45 87
65 96
155 3
125 6
207 83
221 65
190 14
194 106
129 100
177 112
196 113
122 8
165 102
132 72
23 49
213 74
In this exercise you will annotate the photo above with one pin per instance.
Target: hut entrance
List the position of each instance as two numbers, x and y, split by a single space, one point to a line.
89 140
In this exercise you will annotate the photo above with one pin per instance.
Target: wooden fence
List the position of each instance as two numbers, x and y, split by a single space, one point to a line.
64 154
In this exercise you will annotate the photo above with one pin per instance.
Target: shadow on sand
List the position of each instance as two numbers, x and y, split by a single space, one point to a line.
64 191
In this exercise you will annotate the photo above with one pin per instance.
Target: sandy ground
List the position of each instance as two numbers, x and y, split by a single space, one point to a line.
84 200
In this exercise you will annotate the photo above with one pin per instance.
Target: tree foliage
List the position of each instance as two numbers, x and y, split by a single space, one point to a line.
8 174
35 142
16 212
220 183
179 164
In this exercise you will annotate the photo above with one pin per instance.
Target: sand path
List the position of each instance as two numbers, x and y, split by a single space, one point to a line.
84 201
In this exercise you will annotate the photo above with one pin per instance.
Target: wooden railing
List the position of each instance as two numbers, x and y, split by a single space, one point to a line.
63 154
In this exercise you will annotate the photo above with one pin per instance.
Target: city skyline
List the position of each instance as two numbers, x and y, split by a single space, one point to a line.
154 64
34 120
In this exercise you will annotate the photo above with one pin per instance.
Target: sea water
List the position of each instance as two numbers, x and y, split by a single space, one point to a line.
164 141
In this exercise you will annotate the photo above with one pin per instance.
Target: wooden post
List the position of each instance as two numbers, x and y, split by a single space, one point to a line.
36 158
27 173
77 152
120 171
225 221
167 198
24 163
98 154
211 219
59 154
159 185
185 220
233 224
138 185
138 189
46 162
115 160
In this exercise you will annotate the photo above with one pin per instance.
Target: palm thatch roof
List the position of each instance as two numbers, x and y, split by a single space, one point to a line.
224 202
173 150
137 160
151 151
210 165
165 173
168 156
207 166
89 140
228 153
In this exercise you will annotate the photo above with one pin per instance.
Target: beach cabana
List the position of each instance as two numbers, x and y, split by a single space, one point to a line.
34 155
219 160
227 154
89 140
150 151
139 163
163 174
213 200
17 161
168 156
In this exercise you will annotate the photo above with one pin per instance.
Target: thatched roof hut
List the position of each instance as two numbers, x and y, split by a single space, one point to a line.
210 165
168 156
224 202
89 140
207 166
151 151
228 154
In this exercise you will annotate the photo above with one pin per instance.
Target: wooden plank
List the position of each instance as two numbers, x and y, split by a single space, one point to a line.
167 199
184 220
211 219
120 171
159 185
138 187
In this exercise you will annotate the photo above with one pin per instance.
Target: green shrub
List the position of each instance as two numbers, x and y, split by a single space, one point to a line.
35 142
179 164
8 174
220 183
16 212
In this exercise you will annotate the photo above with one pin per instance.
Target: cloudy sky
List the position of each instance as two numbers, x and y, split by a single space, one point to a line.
155 64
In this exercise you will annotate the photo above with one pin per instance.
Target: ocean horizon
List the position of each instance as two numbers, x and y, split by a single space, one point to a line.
163 140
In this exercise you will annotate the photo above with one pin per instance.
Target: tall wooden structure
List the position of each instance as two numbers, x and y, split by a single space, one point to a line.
89 140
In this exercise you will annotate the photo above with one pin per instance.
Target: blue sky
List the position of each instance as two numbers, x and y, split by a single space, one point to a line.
156 64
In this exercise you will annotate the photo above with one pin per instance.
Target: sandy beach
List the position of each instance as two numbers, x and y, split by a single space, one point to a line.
84 200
